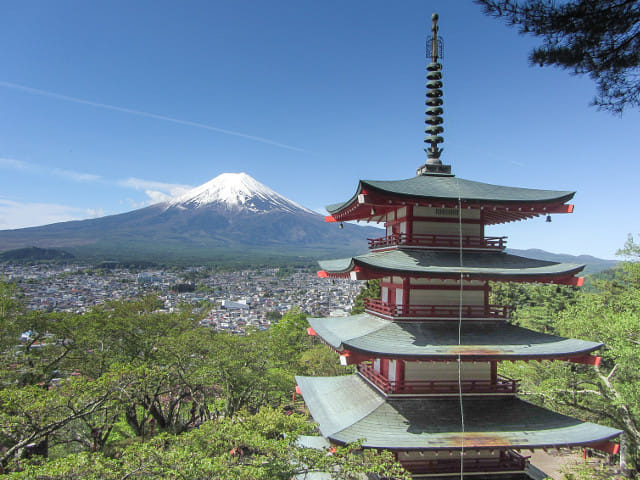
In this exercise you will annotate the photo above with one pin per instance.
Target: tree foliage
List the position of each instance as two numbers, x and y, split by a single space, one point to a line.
260 446
598 38
126 392
371 289
608 393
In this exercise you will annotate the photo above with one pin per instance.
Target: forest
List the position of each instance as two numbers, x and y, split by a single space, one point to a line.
124 392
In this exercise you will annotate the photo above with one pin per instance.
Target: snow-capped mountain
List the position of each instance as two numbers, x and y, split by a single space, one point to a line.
236 191
231 216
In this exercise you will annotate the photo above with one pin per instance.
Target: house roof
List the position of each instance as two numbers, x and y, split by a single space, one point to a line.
348 409
447 263
439 339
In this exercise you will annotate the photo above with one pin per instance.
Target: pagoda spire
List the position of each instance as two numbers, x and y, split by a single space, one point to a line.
434 96
433 120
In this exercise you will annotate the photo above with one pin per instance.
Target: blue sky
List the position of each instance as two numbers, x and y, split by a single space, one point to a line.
110 106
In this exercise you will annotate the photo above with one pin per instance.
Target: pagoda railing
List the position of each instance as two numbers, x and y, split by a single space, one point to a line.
375 305
507 461
502 385
432 240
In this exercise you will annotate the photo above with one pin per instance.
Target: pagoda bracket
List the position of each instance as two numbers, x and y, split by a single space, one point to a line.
608 447
351 358
586 360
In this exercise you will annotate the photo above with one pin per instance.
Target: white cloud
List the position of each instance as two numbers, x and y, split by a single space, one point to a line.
11 164
19 165
156 191
156 196
14 214
20 215
76 176
172 189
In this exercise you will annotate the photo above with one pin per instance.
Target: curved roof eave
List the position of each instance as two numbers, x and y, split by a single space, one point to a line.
447 263
371 335
347 409
452 188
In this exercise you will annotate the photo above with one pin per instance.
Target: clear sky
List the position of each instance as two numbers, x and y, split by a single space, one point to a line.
110 106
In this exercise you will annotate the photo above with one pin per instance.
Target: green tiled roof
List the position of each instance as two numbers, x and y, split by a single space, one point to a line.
479 339
450 188
478 264
348 409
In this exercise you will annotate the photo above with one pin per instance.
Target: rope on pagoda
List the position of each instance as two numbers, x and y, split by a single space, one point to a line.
460 300
434 129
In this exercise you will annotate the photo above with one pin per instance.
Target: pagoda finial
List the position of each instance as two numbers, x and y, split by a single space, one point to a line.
434 95
434 110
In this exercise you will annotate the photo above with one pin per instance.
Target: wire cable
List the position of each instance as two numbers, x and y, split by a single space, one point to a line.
460 299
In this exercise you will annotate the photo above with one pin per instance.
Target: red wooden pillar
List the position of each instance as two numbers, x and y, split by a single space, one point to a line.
399 372
409 219
384 367
406 286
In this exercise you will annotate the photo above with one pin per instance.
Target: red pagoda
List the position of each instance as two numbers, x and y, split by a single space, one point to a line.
427 351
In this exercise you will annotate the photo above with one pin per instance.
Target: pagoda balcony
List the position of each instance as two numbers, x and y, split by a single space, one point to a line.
385 309
438 241
509 461
502 385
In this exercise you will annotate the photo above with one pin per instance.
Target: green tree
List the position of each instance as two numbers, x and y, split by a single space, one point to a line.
371 289
598 38
608 393
261 446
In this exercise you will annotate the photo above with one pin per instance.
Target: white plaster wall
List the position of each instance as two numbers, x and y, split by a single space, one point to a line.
467 213
392 370
446 371
446 297
446 228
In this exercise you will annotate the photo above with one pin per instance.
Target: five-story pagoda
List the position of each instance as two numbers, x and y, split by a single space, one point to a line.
427 351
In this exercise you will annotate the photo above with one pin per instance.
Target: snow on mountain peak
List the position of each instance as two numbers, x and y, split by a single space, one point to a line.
236 191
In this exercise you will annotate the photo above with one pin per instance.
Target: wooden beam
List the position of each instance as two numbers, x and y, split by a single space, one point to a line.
348 357
605 446
576 281
586 360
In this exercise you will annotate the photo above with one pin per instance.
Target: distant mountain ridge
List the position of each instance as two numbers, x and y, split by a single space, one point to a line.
232 214
593 264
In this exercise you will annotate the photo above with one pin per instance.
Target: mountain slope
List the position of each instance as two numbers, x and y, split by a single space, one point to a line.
231 214
593 264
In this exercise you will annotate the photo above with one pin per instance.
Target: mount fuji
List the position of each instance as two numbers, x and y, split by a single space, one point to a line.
232 214
236 192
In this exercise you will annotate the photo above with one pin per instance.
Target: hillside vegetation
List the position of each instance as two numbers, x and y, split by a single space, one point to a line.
124 392
609 312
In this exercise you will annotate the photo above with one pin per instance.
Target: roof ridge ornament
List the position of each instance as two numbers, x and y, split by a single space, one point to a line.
434 50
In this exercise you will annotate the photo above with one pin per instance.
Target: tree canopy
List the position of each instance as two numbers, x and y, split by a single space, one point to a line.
598 38
608 393
126 392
